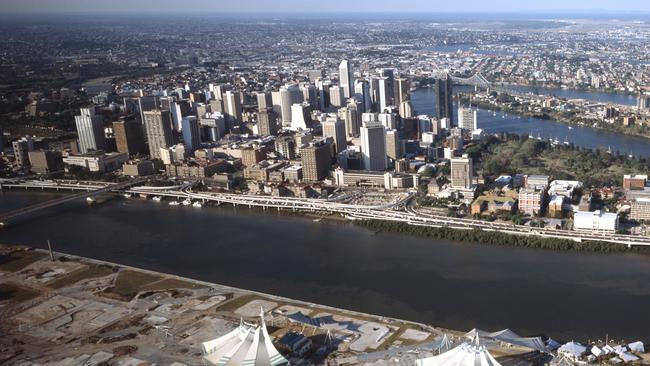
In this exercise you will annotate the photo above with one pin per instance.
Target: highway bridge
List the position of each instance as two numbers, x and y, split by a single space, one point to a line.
85 189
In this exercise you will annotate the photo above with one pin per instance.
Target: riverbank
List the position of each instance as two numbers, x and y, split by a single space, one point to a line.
493 238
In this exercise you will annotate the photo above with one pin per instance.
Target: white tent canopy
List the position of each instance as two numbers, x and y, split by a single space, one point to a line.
467 354
245 345
510 337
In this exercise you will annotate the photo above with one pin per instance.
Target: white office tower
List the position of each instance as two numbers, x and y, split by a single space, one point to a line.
467 118
393 145
177 116
233 109
346 79
289 95
461 172
383 85
247 344
388 120
263 101
334 127
373 146
337 99
406 109
191 133
445 123
90 129
219 91
299 116
362 94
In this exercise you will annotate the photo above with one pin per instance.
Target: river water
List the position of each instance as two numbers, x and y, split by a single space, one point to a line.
424 103
457 285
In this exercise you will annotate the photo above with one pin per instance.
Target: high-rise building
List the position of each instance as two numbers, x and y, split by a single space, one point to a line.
213 126
402 89
362 95
373 146
337 98
233 109
289 95
393 145
461 172
177 116
406 109
346 79
264 101
444 98
335 128
316 160
300 116
191 134
389 74
388 120
21 149
467 118
129 137
384 91
157 125
285 147
267 122
90 129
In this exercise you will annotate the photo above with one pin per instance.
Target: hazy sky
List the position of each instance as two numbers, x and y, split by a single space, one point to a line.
58 6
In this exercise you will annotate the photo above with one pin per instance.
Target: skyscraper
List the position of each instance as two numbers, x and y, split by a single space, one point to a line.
467 118
393 145
316 160
157 125
337 99
21 149
129 137
384 94
444 98
90 129
373 146
232 106
335 128
362 94
402 90
389 74
346 79
266 122
352 117
264 101
191 134
289 95
300 116
461 172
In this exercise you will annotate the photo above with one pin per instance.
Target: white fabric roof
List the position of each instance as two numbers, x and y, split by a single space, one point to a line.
246 345
636 347
508 336
467 354
572 349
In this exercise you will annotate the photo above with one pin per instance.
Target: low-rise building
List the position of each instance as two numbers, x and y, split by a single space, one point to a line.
197 168
97 161
45 161
295 343
595 221
634 182
531 201
494 204
640 209
261 172
139 168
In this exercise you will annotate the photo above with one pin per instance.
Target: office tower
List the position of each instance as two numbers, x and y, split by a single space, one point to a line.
129 137
393 145
157 126
388 120
373 146
424 125
191 134
177 116
200 109
335 128
383 96
389 75
406 109
309 94
45 161
289 95
316 160
467 118
285 147
213 126
232 106
323 94
314 75
444 98
337 99
642 102
216 105
402 90
352 117
266 122
264 101
346 79
461 172
21 149
251 155
374 94
300 116
362 94
90 129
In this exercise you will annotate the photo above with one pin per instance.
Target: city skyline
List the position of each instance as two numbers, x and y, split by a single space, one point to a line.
335 6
